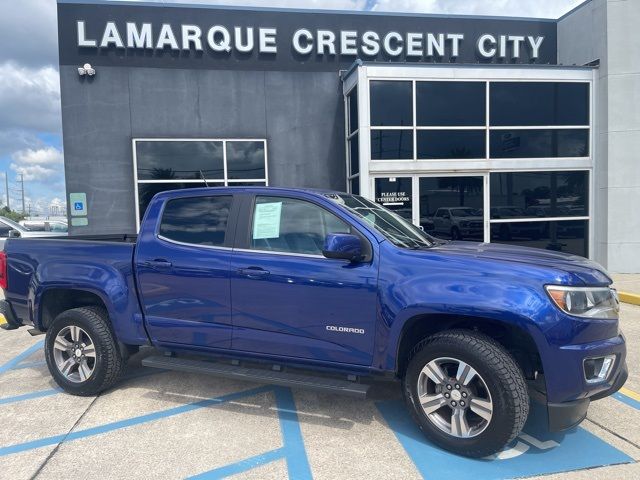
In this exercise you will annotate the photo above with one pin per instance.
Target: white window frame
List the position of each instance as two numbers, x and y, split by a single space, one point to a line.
225 181
348 137
415 168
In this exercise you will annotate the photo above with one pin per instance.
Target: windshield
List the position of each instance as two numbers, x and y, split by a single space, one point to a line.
394 228
59 227
465 212
12 224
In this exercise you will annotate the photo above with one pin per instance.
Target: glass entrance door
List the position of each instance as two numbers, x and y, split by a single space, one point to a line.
395 193
452 207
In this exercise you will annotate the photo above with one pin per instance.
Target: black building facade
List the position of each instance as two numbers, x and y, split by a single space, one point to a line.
466 126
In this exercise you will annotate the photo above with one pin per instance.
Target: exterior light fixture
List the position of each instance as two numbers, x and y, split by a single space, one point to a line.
86 69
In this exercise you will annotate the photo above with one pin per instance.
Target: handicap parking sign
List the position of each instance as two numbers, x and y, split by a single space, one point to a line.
79 203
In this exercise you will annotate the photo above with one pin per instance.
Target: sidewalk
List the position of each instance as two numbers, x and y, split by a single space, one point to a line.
628 286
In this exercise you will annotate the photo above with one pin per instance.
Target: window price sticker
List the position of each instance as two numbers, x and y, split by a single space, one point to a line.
266 220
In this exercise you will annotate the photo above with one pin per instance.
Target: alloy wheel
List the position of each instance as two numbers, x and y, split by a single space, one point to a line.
74 354
454 397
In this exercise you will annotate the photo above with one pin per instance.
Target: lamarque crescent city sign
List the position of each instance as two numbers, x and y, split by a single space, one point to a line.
304 41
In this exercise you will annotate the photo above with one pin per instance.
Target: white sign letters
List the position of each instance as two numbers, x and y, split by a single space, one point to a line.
304 42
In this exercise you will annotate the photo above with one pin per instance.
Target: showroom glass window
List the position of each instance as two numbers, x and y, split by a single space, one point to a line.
541 209
539 119
166 164
391 111
450 119
540 128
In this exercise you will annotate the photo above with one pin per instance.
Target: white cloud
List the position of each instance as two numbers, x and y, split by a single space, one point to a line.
13 139
29 98
311 4
513 8
38 165
29 32
42 156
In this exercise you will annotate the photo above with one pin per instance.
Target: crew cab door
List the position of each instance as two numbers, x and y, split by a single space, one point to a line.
288 299
182 265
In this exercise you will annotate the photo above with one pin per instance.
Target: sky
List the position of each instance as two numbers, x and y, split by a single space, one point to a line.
30 125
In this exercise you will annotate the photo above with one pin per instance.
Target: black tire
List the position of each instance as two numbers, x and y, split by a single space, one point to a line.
109 360
455 233
502 376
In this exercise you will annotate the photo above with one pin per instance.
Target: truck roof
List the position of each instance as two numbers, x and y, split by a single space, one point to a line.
256 189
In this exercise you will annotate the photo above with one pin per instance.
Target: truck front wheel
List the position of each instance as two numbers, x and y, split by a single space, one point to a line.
466 393
81 352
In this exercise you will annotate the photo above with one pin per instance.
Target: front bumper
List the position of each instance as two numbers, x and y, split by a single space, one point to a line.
565 415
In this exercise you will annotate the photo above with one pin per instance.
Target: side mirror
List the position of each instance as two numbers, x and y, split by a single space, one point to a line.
342 246
14 234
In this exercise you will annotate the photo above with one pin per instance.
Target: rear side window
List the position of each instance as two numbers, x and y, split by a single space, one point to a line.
196 220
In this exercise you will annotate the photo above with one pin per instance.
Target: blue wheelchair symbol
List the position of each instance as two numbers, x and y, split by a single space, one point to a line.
77 206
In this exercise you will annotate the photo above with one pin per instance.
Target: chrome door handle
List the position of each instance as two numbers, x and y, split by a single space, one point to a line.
157 263
253 272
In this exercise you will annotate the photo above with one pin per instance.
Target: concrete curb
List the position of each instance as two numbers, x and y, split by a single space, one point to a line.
632 298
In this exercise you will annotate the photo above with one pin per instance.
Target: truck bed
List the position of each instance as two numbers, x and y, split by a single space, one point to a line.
110 237
89 263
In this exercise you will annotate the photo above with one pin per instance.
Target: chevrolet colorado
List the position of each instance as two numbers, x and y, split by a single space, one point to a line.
330 283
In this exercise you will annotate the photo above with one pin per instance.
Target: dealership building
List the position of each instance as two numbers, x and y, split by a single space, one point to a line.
513 130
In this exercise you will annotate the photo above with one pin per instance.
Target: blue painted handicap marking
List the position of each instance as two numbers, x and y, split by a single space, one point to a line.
535 452
77 206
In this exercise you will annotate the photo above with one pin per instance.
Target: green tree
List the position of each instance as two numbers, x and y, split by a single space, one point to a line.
10 214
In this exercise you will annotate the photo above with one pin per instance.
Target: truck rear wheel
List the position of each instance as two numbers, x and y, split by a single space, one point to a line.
466 393
81 352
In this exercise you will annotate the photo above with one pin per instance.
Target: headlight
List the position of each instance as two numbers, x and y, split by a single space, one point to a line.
590 302
464 223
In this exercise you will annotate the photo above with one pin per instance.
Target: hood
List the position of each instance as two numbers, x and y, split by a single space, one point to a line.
585 270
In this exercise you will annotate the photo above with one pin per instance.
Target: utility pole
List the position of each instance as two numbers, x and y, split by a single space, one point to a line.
22 188
6 186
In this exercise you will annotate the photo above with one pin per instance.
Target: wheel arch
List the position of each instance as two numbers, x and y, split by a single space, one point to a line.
513 338
53 301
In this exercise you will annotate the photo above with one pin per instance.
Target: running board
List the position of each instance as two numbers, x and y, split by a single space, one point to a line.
237 372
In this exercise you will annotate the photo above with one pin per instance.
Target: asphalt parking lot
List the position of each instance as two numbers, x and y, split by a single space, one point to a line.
157 424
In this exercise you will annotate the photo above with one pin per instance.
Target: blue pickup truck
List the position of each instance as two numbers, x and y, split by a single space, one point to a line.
330 291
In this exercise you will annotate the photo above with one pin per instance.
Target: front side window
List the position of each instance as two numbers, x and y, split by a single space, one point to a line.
196 220
289 225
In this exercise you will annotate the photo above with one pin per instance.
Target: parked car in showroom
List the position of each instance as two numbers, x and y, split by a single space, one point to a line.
307 283
507 231
458 223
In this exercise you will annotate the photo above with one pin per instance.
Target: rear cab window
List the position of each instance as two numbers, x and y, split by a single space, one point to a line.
196 220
